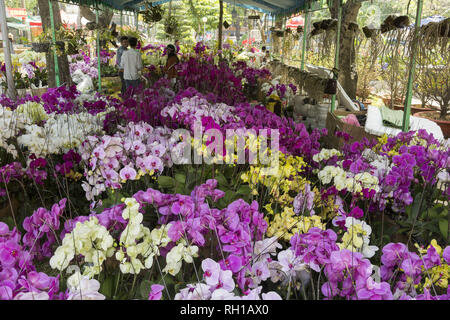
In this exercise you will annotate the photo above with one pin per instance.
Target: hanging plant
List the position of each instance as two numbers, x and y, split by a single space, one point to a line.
353 27
368 32
91 25
279 33
152 14
171 25
40 46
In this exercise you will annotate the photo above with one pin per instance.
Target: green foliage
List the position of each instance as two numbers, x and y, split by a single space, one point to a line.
186 178
188 15
30 5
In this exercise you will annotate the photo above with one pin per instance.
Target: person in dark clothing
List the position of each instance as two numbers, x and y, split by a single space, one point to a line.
123 47
172 60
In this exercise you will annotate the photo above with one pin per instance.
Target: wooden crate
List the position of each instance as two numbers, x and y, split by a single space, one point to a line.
39 92
334 124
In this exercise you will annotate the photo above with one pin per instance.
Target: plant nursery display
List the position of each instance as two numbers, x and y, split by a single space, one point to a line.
235 180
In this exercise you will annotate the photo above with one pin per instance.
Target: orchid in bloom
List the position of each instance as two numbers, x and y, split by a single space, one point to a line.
155 292
304 200
357 237
82 288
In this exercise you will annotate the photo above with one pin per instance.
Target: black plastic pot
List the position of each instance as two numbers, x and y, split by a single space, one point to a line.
91 25
72 49
40 46
61 45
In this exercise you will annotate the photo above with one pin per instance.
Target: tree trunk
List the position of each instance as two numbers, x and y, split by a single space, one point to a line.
261 27
276 39
79 24
348 76
63 63
443 112
104 18
219 45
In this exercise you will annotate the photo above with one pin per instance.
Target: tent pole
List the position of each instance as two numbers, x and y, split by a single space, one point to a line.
336 56
11 92
305 35
412 68
99 68
219 43
284 41
136 18
55 56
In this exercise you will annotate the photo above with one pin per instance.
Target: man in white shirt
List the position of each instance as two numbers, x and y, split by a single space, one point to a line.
131 64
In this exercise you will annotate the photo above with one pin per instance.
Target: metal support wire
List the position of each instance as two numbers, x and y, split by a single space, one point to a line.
336 56
412 68
305 35
99 67
55 56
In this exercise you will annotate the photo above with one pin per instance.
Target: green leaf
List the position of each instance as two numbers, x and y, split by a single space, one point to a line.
415 209
434 212
245 189
221 179
180 177
106 287
180 189
166 182
144 289
443 226
229 196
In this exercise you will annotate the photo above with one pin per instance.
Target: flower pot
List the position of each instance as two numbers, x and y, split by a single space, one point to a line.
414 108
444 124
40 46
39 92
21 93
72 49
387 101
60 45
7 209
91 25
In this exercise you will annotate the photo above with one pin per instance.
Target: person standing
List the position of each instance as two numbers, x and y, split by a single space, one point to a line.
131 63
123 47
177 45
172 60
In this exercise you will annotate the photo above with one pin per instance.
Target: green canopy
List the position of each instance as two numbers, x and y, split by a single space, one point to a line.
18 26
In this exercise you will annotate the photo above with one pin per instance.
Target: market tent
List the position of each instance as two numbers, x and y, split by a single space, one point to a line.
18 26
273 7
13 20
